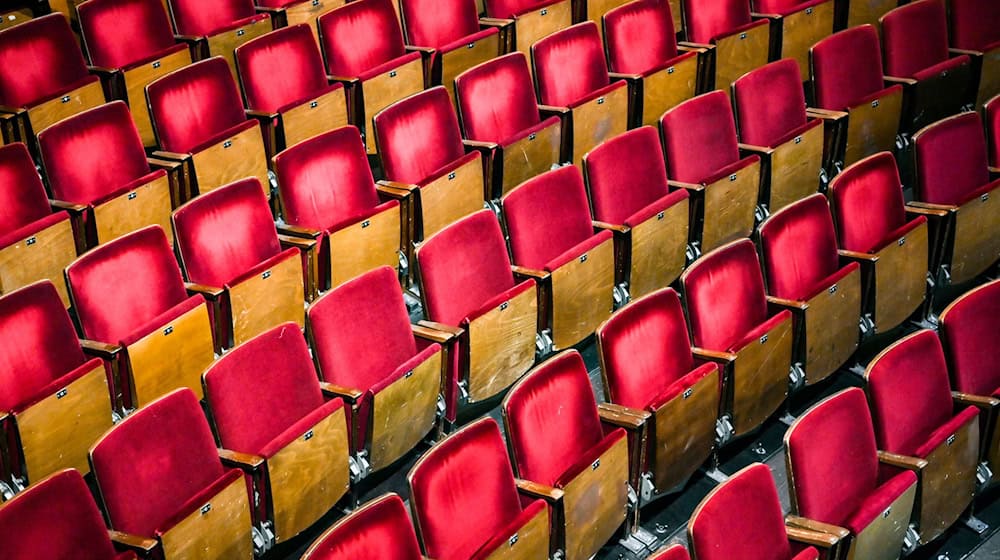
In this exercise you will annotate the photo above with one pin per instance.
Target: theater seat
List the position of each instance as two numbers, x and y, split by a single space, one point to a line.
219 29
290 13
796 25
839 483
531 20
991 116
560 443
923 430
379 530
737 41
974 30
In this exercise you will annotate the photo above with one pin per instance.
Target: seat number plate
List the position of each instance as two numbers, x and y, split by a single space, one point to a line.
763 339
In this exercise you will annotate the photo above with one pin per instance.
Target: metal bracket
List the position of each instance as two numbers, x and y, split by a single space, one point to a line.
944 275
824 180
911 540
723 430
760 213
796 377
621 295
867 326
976 524
983 477
263 538
543 343
359 466
404 264
692 252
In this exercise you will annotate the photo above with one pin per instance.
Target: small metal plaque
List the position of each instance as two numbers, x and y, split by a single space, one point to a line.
168 330
832 289
365 224
227 144
743 36
65 99
660 215
392 73
313 104
688 392
512 540
600 101
451 176
471 45
31 240
156 64
875 103
545 12
583 258
798 139
732 177
985 197
206 508
266 275
763 339
809 11
408 374
307 436
595 465
132 195
901 242
887 512
531 136
670 70
61 393
240 32
504 306
951 439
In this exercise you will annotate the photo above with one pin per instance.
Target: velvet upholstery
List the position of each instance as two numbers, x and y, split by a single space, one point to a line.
951 160
770 103
418 136
39 60
379 530
436 23
467 481
706 20
798 246
699 137
93 154
975 24
192 105
649 19
506 9
281 68
915 38
992 118
53 519
211 250
22 195
742 518
360 36
119 33
846 68
151 463
569 65
192 17
783 7
833 464
496 99
970 331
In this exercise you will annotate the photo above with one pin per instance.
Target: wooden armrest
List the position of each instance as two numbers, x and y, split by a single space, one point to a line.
978 401
170 156
102 71
902 461
856 256
539 491
790 304
164 164
265 116
958 52
818 526
441 327
994 172
825 114
693 45
610 227
388 187
916 206
426 52
713 355
101 350
761 150
622 416
12 110
771 17
70 207
301 243
346 80
547 111
480 146
686 186
211 292
242 461
524 272
189 39
813 538
268 10
624 76
289 230
892 80
495 22
349 394
141 545
433 335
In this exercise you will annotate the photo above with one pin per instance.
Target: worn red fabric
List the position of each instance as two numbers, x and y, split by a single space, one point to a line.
192 17
55 518
506 9
435 23
699 137
418 136
569 65
496 99
120 33
707 20
951 160
672 552
975 24
783 7
867 203
379 530
769 102
22 199
914 37
798 246
649 19
970 331
213 251
612 167
847 68
360 36
992 110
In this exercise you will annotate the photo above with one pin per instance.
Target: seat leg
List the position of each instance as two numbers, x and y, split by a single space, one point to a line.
977 525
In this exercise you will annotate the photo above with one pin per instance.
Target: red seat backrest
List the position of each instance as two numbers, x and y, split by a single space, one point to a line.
281 67
975 24
418 135
360 36
769 102
194 17
649 19
951 159
117 33
435 23
496 99
867 203
798 245
569 64
705 20
611 169
506 9
22 198
699 137
38 59
970 330
379 530
914 37
846 67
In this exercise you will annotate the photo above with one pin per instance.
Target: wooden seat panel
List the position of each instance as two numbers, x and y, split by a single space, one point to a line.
42 256
948 483
220 529
502 345
657 255
598 120
224 43
146 205
268 299
684 433
760 378
596 502
795 167
49 112
582 295
831 327
729 207
872 127
452 196
364 246
234 158
531 26
530 156
313 117
404 412
740 53
668 87
900 278
378 92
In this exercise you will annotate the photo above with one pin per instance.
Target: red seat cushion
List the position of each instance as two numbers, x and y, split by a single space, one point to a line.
951 160
970 329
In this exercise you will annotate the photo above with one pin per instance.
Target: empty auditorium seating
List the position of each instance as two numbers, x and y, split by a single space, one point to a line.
969 329
699 140
532 19
847 85
363 47
466 481
742 518
420 144
629 194
289 13
798 249
773 123
97 168
199 122
738 43
571 75
796 25
379 530
286 88
839 484
660 73
953 175
873 229
974 30
732 326
558 443
500 117
56 518
43 78
649 372
184 506
922 430
36 240
55 400
217 30
468 288
244 272
553 240
156 336
915 53
273 422
393 387
131 44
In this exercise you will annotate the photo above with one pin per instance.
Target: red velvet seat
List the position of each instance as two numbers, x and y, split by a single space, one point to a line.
252 282
532 20
952 174
974 29
467 481
290 13
738 42
742 518
156 337
703 157
43 78
553 240
363 48
219 29
161 481
649 371
915 49
671 552
132 43
649 222
873 228
468 288
379 530
991 116
394 387
862 110
54 519
797 25
571 77
97 168
732 325
798 248
969 328
421 147
54 399
328 193
916 419
773 122
36 240
839 484
660 73
559 440
273 422
500 117
200 124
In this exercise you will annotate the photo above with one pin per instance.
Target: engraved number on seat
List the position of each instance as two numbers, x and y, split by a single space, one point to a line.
206 508
61 393
168 330
265 275
832 289
688 392
763 339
